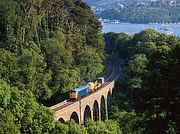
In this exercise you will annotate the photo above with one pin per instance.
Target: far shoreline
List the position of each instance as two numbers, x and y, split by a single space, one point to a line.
140 23
133 28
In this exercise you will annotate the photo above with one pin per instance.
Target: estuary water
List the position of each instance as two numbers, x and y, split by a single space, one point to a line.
170 29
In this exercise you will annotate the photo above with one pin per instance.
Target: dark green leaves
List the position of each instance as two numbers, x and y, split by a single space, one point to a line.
149 91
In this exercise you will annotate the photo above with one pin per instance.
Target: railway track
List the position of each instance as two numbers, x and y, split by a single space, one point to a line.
62 106
113 76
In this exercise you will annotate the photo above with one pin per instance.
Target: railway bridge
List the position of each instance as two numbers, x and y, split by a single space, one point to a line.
95 105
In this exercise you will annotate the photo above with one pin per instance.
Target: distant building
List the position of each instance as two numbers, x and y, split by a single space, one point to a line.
115 21
96 10
172 2
120 5
141 4
106 20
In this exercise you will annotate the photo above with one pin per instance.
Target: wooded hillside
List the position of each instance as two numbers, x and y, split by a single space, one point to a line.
49 47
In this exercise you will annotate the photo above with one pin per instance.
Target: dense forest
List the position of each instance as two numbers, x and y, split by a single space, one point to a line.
46 49
152 12
147 96
49 47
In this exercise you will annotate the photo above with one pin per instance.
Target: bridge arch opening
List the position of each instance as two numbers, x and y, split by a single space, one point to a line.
103 108
96 111
109 102
87 113
74 116
113 91
61 120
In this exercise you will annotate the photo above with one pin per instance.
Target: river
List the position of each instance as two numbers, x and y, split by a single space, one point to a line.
170 29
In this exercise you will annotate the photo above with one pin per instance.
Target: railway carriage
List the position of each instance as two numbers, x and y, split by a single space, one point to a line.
79 92
84 90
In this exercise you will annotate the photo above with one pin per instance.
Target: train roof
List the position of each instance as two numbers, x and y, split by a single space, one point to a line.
80 88
91 83
100 78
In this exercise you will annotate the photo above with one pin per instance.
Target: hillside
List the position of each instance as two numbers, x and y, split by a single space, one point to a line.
46 49
103 3
108 4
147 98
137 11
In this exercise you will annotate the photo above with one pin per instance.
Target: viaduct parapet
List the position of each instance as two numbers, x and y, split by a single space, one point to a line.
95 106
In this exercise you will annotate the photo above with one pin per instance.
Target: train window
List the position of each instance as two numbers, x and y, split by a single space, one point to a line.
99 80
72 92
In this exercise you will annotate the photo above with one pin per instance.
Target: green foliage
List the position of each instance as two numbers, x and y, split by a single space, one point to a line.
60 128
91 127
110 42
107 127
88 62
147 98
23 112
49 47
138 64
148 35
130 122
75 128
20 113
8 123
117 44
46 49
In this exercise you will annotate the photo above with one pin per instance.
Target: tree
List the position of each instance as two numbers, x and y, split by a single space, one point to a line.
148 35
8 123
137 69
75 128
41 43
22 111
147 97
107 127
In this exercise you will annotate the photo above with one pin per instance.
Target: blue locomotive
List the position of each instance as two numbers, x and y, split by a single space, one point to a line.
84 90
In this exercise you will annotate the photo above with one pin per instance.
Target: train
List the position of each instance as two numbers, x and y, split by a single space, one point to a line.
86 89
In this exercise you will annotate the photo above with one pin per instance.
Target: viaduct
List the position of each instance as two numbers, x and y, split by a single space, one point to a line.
95 106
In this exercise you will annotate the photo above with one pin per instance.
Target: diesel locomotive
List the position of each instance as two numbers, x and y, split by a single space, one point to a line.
85 89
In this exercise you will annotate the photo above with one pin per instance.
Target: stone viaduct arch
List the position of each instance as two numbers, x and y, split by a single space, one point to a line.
74 116
87 113
109 102
61 120
94 106
103 108
96 111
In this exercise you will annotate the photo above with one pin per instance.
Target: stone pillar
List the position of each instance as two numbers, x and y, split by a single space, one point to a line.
80 113
106 108
99 109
